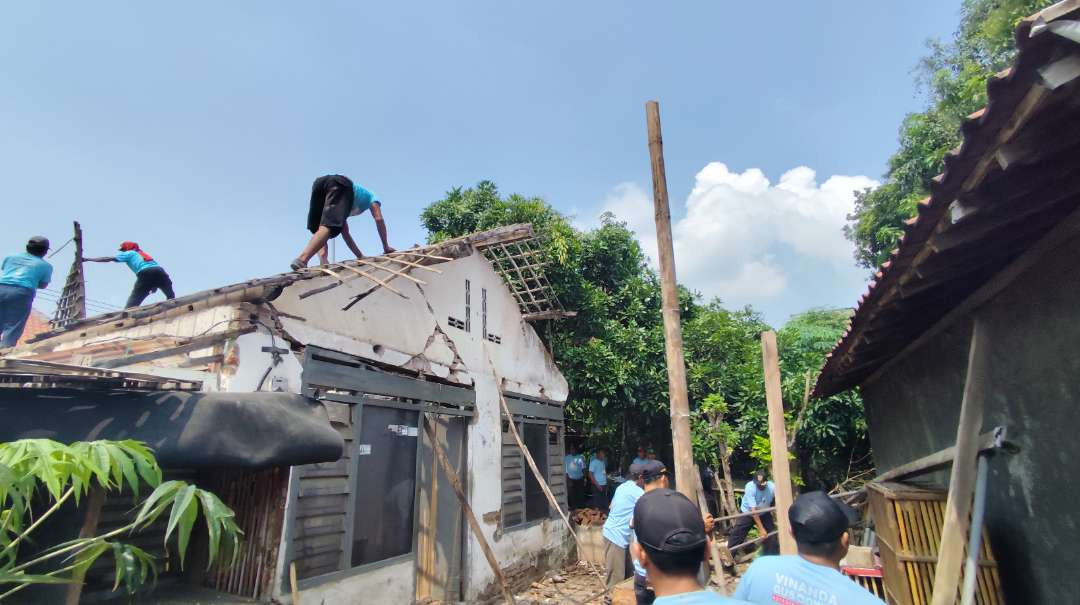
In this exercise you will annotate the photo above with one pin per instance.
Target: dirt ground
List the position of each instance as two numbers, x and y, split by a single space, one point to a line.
576 585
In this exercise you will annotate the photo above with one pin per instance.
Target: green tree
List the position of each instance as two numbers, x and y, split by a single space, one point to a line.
953 76
43 472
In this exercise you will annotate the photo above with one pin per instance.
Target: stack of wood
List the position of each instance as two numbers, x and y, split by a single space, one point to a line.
586 517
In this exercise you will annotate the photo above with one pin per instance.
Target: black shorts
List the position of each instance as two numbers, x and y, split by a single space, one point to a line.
331 203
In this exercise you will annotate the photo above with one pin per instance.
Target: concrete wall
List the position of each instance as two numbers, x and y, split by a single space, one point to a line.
1033 514
388 585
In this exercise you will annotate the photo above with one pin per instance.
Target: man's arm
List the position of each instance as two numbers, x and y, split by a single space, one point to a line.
349 241
99 259
380 226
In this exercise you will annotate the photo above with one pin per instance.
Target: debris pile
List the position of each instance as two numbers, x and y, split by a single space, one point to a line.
574 584
586 517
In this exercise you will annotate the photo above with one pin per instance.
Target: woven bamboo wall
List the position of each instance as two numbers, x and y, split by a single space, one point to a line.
908 520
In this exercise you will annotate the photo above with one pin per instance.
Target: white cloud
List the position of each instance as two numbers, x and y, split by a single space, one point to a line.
747 240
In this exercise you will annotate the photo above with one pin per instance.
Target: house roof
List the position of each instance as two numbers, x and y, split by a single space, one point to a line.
534 295
1011 184
37 323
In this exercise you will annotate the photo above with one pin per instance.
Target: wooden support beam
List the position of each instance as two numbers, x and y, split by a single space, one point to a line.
474 525
987 441
371 263
714 546
89 529
962 478
673 345
781 470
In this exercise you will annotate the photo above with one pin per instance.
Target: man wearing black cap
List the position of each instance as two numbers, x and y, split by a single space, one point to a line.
671 545
759 494
21 276
617 526
813 577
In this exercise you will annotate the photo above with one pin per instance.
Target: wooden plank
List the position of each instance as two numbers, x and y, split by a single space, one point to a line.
191 345
987 441
673 344
455 483
962 477
778 441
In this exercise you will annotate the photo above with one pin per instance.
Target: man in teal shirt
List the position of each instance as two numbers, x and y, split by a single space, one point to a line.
335 198
671 545
598 479
640 458
759 494
820 525
149 275
574 464
21 275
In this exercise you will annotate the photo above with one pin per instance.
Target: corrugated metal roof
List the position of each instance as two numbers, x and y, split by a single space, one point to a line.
1011 181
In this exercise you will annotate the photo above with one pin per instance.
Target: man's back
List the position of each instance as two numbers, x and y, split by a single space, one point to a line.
617 526
699 597
25 270
793 580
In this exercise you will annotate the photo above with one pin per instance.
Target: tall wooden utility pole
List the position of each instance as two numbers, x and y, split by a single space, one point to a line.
781 471
676 365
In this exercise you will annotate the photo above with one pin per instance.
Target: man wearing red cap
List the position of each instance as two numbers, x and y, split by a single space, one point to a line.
149 275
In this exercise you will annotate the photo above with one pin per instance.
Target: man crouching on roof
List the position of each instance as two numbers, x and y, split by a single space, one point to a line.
149 275
334 198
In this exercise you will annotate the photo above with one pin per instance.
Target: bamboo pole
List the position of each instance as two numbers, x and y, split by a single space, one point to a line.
536 471
962 478
777 440
673 346
376 280
369 263
455 483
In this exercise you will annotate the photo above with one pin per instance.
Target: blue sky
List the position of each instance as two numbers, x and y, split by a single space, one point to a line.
197 128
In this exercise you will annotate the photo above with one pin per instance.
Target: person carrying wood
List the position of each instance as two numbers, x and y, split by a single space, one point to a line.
820 526
759 493
21 276
335 198
149 275
671 545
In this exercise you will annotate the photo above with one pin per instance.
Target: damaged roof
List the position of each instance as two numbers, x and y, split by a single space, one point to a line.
1008 193
532 291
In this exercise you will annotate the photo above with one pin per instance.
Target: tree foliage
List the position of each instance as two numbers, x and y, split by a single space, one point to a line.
43 474
612 352
953 76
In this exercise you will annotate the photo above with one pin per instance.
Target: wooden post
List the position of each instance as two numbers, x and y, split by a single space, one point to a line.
962 478
673 346
88 530
781 471
455 483
714 546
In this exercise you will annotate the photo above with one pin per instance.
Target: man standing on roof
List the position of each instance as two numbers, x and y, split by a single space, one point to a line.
759 493
21 276
820 526
149 275
334 198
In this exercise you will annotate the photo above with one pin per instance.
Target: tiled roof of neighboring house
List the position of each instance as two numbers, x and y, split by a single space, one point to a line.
1011 182
37 323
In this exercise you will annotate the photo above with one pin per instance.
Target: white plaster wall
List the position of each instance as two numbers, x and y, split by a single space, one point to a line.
252 362
389 585
413 332
485 488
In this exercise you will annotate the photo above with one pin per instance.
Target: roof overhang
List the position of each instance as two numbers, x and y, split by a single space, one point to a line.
185 429
1011 185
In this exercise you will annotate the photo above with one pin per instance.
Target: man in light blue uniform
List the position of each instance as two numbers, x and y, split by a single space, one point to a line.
598 479
813 577
654 475
641 458
671 545
759 493
574 464
21 276
617 527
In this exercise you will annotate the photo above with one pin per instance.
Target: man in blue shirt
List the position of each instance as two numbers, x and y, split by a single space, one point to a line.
640 458
574 464
20 277
820 525
617 526
671 545
598 480
334 198
149 275
759 493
